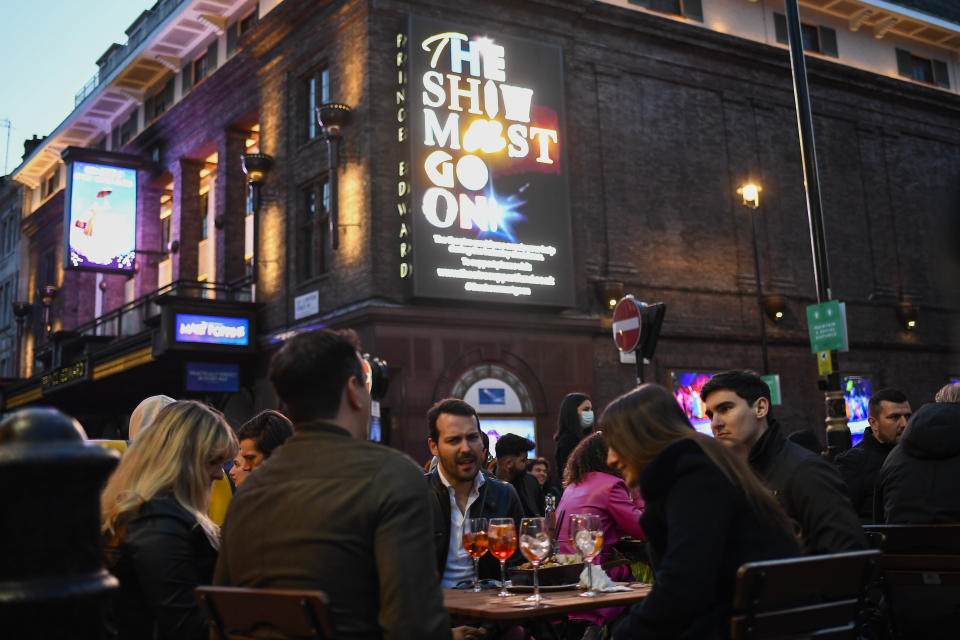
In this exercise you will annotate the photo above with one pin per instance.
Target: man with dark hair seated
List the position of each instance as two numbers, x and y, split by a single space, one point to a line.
512 467
809 488
258 437
333 512
887 414
459 490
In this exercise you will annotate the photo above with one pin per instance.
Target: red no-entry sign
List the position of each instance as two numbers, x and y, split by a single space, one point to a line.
627 324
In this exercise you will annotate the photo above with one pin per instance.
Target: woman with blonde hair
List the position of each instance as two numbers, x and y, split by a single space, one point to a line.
159 540
705 514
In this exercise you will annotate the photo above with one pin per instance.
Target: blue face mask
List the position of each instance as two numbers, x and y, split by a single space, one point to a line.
586 419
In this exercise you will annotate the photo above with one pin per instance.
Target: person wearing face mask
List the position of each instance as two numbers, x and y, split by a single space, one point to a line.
575 423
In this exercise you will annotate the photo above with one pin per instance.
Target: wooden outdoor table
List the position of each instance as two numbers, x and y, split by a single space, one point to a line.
486 605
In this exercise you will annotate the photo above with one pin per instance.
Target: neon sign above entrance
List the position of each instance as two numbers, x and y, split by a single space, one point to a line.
484 199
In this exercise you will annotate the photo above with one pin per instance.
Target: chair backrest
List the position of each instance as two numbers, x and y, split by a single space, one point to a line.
920 577
806 597
241 613
922 554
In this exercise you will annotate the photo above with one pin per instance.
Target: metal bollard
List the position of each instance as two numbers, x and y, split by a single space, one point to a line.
52 577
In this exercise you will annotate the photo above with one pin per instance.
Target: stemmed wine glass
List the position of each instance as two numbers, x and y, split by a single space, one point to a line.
535 545
588 538
502 537
475 543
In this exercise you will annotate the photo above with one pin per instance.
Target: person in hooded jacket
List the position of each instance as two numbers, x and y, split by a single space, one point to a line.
919 483
575 423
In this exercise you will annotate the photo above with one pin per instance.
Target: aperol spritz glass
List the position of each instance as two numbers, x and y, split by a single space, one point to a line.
502 538
475 543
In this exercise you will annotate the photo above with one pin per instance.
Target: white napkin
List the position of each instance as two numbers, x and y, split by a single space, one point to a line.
599 579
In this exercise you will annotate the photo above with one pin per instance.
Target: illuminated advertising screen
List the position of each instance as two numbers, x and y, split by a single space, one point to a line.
496 427
100 217
484 198
856 395
686 389
212 329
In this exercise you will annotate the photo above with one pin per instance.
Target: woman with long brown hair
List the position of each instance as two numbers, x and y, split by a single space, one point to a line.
705 514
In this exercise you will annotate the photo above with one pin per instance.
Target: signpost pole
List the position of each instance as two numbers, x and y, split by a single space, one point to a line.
838 434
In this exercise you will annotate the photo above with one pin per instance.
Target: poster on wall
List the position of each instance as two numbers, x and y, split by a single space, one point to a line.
484 199
100 217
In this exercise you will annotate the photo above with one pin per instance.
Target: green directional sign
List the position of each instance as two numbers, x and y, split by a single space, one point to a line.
773 381
828 326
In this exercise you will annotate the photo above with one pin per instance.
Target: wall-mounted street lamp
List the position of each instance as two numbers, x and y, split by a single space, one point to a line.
774 305
907 314
332 117
609 293
256 166
751 200
47 294
21 310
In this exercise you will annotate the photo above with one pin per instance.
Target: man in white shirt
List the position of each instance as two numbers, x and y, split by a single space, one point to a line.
459 490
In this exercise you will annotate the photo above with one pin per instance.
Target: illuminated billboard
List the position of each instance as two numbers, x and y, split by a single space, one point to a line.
100 217
483 200
212 329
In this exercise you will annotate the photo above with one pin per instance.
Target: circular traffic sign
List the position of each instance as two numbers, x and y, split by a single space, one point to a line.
626 324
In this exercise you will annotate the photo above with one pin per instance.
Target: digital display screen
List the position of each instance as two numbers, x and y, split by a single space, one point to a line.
101 217
856 395
213 376
496 427
484 199
212 329
686 389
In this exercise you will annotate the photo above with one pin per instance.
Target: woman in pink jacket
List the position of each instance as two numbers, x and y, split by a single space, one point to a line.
591 486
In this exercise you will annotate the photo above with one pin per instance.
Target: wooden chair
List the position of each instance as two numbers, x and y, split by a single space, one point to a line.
920 577
239 614
808 597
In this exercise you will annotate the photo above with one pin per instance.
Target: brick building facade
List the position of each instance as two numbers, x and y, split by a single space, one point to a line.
664 120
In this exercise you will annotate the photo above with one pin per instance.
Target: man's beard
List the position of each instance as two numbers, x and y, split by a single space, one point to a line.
454 469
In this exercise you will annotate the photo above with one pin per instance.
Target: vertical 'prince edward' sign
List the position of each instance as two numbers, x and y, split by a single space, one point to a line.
487 214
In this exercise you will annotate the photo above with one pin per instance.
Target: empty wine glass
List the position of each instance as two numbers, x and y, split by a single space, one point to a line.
502 538
588 538
475 543
535 546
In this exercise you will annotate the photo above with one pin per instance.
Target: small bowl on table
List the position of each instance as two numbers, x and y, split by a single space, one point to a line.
555 575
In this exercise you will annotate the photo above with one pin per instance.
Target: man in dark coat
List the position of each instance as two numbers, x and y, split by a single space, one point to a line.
512 467
919 483
460 490
810 489
332 512
887 414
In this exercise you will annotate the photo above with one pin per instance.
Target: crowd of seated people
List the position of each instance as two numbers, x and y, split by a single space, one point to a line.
312 505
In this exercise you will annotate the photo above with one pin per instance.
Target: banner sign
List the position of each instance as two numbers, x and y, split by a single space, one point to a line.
100 217
213 376
212 329
484 200
827 323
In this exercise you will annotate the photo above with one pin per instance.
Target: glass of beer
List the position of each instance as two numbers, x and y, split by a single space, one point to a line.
502 537
475 543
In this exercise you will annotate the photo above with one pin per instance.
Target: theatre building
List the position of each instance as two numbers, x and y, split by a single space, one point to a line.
484 179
